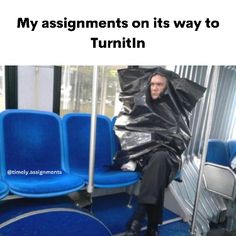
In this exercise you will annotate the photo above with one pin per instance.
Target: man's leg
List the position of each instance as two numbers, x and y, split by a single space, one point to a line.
155 179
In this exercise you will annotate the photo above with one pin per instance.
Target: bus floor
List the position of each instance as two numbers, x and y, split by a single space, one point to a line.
111 210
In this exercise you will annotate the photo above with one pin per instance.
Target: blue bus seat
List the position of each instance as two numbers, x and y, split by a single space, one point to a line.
76 128
232 149
32 161
217 152
217 170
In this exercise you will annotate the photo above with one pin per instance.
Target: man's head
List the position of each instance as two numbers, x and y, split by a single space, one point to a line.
158 85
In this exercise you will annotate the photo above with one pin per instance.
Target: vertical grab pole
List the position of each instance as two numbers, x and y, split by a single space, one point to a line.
204 152
93 131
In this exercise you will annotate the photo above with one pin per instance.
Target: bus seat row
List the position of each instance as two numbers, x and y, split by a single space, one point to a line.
218 174
44 155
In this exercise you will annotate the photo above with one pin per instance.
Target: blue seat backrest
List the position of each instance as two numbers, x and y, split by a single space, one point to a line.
115 141
217 152
76 127
232 149
31 140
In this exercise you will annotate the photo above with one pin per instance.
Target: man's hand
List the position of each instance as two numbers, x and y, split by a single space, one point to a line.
129 166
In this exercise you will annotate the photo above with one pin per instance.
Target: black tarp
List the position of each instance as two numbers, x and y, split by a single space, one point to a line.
142 126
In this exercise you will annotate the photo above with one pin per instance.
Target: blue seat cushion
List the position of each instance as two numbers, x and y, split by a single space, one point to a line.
107 178
44 185
4 190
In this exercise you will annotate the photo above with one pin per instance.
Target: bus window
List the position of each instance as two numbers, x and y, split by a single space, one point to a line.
76 89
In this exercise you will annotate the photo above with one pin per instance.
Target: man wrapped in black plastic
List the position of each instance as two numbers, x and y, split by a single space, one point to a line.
153 129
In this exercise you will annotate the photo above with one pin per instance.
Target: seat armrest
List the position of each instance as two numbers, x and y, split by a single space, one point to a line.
220 179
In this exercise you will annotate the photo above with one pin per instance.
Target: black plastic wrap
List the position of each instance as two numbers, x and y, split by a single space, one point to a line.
142 126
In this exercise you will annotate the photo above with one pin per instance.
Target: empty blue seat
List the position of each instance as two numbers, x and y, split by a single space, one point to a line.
232 149
217 152
76 128
32 160
217 170
219 178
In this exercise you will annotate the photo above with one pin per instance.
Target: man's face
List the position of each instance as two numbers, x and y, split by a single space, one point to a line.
157 86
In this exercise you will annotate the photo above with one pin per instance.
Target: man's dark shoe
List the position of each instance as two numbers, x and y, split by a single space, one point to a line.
152 232
133 229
